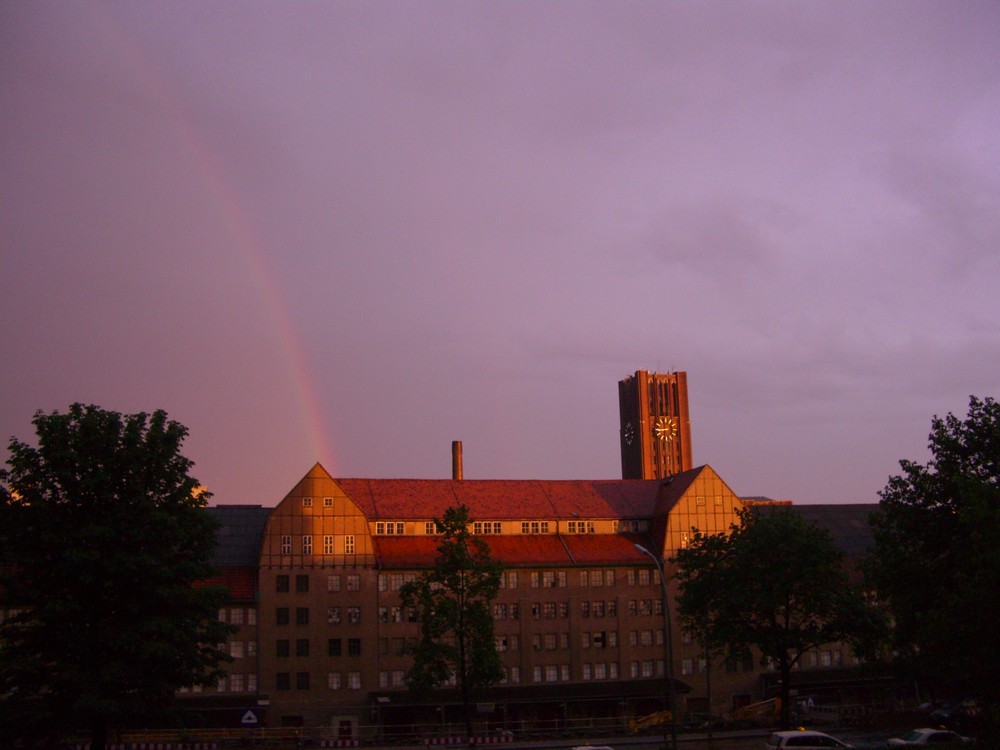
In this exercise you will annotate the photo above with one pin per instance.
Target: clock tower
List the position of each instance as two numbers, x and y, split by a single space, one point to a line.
655 425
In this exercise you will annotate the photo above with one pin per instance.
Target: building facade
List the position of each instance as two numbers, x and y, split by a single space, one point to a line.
579 621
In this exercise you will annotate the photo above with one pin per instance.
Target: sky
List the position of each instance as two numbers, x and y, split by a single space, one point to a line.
353 232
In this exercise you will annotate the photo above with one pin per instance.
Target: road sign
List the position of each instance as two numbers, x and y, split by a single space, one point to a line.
249 719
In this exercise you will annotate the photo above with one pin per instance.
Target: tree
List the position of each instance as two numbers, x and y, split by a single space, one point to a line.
456 623
936 560
774 583
103 536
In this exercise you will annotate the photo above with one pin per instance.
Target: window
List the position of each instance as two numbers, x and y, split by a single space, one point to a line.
327 502
301 584
333 583
600 672
251 648
281 584
307 502
609 578
718 499
583 577
281 648
431 528
236 616
333 680
580 527
301 680
354 615
480 528
551 673
508 580
398 678
534 527
354 582
251 617
281 616
354 680
389 528
236 683
236 649
699 500
327 544
349 544
550 641
302 615
307 544
286 544
333 615
586 671
354 647
283 681
333 647
687 666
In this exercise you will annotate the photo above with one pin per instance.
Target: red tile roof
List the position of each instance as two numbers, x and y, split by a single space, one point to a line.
520 550
240 582
401 499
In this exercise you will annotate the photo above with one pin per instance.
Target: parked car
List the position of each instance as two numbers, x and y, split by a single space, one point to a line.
928 737
803 739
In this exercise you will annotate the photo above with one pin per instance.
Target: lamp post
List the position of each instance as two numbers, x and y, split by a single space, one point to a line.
668 650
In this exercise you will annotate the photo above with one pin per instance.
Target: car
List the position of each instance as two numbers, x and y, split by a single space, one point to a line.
803 739
929 737
592 747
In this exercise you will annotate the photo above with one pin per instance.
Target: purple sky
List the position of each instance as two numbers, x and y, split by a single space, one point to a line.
354 232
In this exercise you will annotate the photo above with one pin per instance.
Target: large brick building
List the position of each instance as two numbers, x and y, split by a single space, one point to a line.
579 620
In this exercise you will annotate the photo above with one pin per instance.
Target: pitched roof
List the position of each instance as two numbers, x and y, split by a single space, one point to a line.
520 550
239 581
848 524
497 499
240 533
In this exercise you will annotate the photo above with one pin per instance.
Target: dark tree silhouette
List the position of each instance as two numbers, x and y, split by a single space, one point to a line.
103 536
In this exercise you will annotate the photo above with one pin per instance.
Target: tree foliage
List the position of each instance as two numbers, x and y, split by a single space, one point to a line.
937 553
453 601
103 536
773 583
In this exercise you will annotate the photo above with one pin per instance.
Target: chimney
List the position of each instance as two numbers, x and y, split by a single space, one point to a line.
456 459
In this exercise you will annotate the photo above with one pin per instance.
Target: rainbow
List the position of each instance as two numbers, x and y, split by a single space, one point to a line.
235 221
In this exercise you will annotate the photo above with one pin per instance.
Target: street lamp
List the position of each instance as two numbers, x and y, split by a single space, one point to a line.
668 650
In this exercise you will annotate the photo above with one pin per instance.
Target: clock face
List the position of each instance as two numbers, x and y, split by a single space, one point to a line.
665 428
628 433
